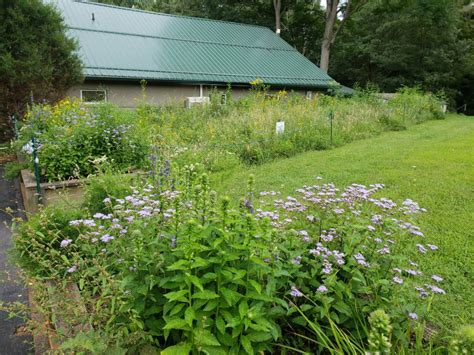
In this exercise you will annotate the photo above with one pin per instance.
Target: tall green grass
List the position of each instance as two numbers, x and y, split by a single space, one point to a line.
243 132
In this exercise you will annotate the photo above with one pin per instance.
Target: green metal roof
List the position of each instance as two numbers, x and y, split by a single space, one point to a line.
128 44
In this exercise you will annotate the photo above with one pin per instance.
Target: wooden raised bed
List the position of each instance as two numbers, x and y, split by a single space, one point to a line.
53 192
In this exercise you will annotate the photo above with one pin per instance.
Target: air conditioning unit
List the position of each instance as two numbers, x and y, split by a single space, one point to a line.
199 100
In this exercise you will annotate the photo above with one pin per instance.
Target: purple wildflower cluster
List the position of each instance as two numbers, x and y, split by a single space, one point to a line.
104 228
324 205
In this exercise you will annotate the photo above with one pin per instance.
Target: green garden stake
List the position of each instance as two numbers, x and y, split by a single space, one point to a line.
39 196
331 116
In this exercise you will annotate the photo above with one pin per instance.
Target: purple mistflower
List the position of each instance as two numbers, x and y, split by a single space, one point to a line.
376 219
107 200
295 292
417 233
384 250
327 267
422 291
338 210
412 272
249 206
436 289
94 240
432 247
397 280
72 269
106 238
173 242
322 289
361 259
89 223
296 260
371 228
421 248
75 222
413 316
437 278
65 242
144 213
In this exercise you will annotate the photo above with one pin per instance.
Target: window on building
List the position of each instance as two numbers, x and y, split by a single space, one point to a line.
93 96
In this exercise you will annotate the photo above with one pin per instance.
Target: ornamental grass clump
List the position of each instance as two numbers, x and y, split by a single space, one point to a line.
72 137
175 267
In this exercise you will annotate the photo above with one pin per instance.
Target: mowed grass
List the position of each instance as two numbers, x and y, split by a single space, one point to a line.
431 163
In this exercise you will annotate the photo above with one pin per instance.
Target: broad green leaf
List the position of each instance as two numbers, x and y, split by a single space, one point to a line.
220 324
257 337
177 295
195 281
176 309
231 297
205 337
177 324
259 297
189 315
199 262
239 274
256 286
243 308
206 295
208 277
246 344
180 349
214 350
211 305
179 265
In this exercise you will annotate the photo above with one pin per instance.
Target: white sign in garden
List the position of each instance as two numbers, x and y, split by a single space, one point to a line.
280 127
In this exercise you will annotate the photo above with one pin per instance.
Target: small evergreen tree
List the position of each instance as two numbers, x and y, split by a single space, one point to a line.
36 56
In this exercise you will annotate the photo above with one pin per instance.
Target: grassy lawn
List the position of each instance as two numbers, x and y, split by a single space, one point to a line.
432 163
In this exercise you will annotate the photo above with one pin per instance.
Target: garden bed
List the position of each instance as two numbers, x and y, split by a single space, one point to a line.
51 327
70 191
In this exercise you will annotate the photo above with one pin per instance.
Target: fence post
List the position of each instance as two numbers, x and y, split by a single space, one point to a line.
39 195
331 116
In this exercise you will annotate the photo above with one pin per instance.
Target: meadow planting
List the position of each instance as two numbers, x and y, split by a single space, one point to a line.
164 263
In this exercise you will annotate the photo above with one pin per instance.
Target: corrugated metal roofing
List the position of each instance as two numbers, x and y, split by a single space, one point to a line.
122 43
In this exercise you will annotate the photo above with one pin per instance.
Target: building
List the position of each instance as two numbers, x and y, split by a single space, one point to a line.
178 56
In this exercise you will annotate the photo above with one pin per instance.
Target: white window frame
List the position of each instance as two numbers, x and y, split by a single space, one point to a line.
94 102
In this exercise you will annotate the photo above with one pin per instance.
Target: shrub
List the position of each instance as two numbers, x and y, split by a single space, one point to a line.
173 266
71 137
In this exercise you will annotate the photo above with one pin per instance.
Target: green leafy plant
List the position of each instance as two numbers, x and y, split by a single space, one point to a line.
72 137
172 266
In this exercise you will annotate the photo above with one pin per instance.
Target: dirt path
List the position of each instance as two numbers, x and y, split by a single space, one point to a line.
11 288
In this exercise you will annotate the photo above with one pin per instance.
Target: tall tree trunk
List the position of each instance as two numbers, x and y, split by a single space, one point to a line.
277 7
331 15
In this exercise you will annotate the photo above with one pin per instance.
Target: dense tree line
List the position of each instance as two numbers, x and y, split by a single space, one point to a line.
389 43
37 59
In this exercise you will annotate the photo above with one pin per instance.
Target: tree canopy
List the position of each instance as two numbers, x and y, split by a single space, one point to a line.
36 57
389 43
